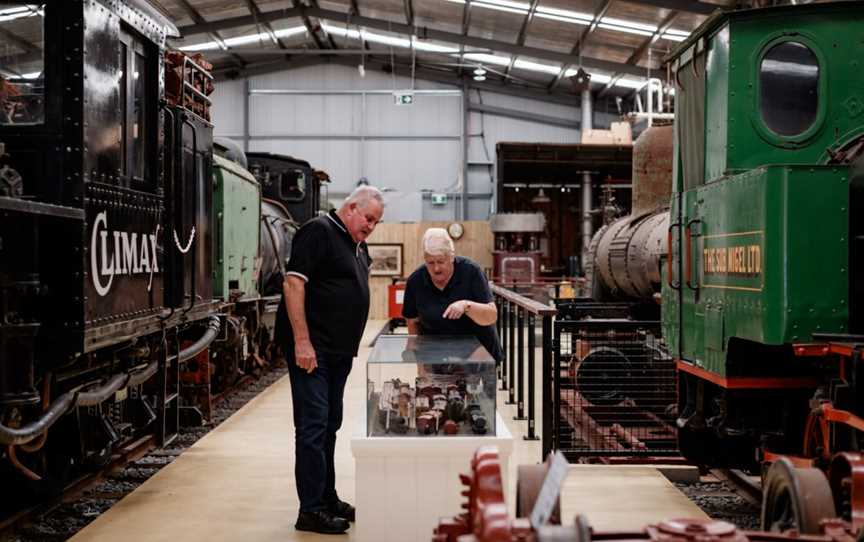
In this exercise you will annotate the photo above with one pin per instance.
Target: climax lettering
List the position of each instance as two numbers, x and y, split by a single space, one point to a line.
127 255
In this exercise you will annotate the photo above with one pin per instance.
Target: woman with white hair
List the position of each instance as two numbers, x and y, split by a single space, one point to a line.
450 295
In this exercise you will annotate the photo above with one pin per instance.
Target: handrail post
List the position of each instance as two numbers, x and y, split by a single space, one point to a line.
548 396
505 320
511 358
499 310
532 330
520 398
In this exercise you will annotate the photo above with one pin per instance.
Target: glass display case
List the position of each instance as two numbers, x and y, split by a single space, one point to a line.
430 385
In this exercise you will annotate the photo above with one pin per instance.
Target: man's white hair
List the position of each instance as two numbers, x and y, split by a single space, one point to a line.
362 194
436 242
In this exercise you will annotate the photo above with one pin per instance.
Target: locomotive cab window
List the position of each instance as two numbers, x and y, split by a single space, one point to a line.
137 106
789 88
292 185
22 63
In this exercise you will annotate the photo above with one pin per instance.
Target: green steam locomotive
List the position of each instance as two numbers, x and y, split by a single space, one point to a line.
763 293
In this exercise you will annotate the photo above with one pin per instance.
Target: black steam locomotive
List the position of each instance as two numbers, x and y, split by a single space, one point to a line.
124 298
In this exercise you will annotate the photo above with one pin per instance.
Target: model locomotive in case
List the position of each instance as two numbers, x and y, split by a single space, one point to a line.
430 386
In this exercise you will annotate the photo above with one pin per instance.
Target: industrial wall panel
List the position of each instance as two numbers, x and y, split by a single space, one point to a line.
409 165
479 209
449 211
350 144
481 180
228 110
429 115
338 115
402 206
527 105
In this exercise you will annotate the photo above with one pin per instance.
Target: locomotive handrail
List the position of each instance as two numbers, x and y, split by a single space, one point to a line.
688 250
192 281
77 398
670 269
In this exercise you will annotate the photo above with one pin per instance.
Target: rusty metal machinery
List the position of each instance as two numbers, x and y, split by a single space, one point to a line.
801 493
624 256
517 245
652 169
627 253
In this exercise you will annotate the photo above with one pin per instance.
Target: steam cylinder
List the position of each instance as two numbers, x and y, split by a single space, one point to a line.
628 252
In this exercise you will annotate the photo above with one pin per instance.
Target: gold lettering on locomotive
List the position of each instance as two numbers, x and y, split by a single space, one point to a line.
736 260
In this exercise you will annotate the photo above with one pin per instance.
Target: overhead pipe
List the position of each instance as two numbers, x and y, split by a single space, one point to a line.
73 399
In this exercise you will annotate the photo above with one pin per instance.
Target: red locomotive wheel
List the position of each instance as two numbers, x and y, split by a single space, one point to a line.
794 498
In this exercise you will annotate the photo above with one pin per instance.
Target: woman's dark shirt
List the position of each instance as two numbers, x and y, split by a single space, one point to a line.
425 301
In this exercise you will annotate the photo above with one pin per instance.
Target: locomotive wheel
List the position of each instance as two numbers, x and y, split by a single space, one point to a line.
602 376
794 498
529 480
846 477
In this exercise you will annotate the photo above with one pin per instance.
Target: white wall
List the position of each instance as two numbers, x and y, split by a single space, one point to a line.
409 151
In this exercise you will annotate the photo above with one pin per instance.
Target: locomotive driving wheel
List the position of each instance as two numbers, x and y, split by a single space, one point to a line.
795 498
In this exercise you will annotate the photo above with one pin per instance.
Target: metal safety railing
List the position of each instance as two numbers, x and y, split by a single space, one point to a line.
517 326
614 388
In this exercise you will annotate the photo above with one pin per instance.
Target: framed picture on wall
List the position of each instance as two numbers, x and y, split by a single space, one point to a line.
386 259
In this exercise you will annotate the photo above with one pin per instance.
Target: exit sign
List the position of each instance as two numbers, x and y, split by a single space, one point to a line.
439 199
403 98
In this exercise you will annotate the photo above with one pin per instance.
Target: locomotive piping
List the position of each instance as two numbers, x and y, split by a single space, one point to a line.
214 324
72 399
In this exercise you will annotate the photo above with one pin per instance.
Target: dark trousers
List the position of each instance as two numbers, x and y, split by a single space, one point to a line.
317 399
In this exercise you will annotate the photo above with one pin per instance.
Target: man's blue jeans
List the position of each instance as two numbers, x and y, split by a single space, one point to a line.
317 399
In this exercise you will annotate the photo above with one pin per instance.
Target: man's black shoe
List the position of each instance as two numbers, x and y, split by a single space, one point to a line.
342 509
321 521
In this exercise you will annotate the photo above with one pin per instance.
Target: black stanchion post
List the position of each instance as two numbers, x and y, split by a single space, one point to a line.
498 330
548 399
505 321
520 390
511 357
532 330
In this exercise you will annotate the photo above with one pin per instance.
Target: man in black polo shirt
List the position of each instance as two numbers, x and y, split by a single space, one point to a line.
449 295
320 321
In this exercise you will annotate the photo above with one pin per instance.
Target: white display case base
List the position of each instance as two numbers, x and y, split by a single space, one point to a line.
404 485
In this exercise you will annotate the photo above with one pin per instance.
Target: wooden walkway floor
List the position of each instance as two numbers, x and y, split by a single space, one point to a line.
237 482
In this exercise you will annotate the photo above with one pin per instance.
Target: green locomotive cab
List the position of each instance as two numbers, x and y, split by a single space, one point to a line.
769 121
237 208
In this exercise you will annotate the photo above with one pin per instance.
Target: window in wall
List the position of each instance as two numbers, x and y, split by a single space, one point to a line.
789 82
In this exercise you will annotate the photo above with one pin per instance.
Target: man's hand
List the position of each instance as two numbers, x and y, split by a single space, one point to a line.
305 355
456 309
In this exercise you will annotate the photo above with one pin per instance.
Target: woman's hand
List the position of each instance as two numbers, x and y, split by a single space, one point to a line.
456 309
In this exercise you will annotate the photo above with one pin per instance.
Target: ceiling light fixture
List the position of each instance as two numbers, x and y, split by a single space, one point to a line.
479 70
479 77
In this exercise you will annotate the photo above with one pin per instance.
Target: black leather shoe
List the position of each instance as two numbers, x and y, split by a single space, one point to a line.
342 509
322 522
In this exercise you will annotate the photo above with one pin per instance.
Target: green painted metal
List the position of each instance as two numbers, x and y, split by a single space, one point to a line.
237 204
768 249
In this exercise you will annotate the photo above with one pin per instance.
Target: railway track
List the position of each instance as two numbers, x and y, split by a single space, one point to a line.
748 487
83 499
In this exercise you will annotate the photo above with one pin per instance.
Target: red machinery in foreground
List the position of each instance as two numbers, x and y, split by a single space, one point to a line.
486 520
